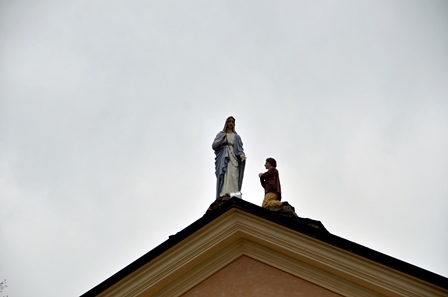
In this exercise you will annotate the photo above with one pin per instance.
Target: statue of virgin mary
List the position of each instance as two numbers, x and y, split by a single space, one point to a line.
230 160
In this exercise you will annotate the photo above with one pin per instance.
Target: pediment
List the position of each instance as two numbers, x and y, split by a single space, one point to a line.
251 278
202 251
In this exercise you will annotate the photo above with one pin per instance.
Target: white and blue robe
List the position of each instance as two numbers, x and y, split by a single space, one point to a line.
229 168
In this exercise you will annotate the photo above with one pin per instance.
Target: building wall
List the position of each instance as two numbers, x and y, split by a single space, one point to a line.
248 277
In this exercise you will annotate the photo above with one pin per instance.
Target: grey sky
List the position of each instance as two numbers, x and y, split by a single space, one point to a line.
108 110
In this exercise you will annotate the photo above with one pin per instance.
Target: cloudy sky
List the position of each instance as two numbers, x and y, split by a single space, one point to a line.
108 110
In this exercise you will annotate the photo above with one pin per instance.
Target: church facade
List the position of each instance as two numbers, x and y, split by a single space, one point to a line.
240 249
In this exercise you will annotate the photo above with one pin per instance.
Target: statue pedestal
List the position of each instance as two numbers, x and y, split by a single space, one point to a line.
286 209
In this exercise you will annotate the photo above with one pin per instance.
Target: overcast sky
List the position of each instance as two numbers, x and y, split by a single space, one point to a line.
108 110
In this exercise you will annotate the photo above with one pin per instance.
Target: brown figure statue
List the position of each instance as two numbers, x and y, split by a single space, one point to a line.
270 181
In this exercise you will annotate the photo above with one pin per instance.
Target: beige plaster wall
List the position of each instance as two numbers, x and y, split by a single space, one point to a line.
248 277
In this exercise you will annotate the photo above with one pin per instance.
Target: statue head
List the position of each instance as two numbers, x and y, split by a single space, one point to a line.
272 162
230 124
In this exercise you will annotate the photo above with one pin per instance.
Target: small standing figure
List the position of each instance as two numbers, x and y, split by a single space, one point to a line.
230 160
270 181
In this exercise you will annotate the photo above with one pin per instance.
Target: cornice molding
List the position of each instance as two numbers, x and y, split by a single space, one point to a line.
236 233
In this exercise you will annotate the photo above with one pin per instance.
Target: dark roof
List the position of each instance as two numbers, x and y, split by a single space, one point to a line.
305 226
